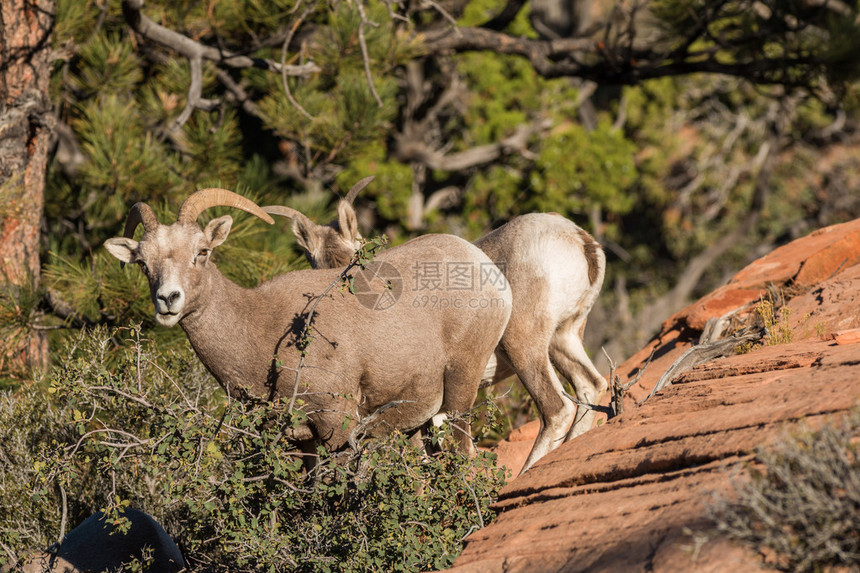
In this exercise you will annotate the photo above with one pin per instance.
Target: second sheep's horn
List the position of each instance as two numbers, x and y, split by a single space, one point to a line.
283 211
290 213
356 189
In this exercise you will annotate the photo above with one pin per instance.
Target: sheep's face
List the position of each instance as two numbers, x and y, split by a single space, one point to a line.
175 261
329 246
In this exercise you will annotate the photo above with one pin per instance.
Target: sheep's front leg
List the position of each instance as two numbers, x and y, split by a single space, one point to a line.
460 393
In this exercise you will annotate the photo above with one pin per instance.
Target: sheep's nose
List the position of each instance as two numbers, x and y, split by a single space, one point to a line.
170 298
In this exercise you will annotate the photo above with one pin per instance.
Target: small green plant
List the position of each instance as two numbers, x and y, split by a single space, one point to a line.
776 323
747 347
362 257
368 249
804 501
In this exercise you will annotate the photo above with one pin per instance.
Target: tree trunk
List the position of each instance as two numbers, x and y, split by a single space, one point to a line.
25 131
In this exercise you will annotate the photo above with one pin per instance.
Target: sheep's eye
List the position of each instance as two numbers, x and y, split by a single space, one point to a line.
142 266
202 253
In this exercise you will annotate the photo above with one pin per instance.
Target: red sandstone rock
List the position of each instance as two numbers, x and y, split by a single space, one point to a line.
786 262
844 252
513 450
804 262
621 497
847 336
630 495
720 302
827 307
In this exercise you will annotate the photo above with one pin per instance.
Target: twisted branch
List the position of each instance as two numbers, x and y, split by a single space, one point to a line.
195 53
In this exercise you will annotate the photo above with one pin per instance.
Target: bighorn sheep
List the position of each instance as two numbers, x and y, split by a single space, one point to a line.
364 357
97 545
555 271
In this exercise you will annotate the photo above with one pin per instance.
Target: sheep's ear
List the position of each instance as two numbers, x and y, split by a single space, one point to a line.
347 221
307 233
122 248
217 230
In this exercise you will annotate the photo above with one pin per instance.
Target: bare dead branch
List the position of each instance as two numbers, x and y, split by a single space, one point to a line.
621 118
66 311
538 52
715 326
475 500
11 557
194 99
189 48
506 16
239 93
365 56
64 519
392 13
596 407
702 353
442 198
623 62
617 389
444 13
415 210
284 75
417 151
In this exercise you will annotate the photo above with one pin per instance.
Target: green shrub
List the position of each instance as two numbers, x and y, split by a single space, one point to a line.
804 504
139 427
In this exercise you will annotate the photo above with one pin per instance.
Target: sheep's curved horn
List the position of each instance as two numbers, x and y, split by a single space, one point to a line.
356 189
140 213
283 211
204 199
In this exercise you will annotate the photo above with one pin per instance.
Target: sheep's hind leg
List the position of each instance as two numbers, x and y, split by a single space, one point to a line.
569 357
555 410
527 351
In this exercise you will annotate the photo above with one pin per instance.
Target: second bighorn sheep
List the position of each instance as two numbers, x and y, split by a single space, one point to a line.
555 272
395 364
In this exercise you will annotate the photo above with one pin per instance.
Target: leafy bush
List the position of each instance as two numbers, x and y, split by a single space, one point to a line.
805 502
118 423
